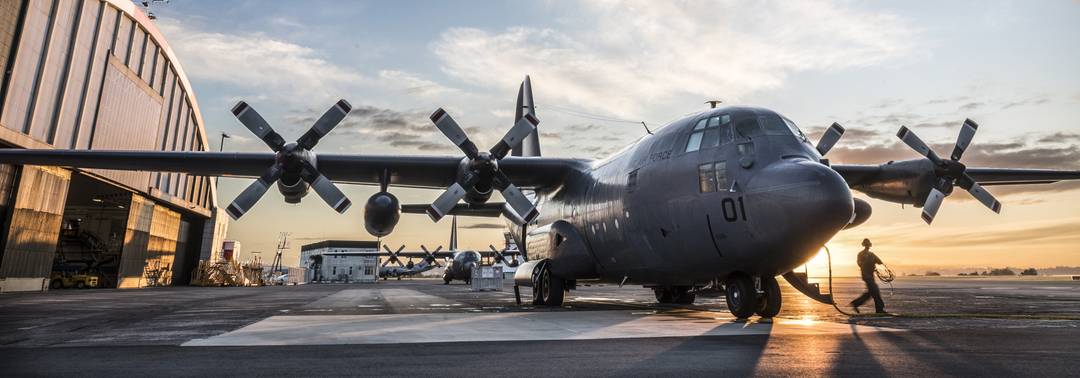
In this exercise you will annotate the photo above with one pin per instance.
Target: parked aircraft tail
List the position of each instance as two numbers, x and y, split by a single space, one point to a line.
530 146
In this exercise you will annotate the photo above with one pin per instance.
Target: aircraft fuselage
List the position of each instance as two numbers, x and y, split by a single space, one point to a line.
730 189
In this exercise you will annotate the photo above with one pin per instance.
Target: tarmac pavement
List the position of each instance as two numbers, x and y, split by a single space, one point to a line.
942 326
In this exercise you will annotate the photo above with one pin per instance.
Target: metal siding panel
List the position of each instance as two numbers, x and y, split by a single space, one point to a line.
54 70
128 105
122 39
78 71
105 37
9 21
24 73
166 121
69 99
136 241
35 222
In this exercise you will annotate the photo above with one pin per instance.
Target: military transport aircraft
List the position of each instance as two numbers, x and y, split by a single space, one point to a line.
732 194
460 266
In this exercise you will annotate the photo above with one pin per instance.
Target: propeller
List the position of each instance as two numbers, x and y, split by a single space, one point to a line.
500 257
482 169
430 256
829 138
950 172
393 255
294 161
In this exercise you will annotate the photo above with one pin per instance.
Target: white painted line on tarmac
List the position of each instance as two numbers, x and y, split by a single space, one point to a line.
515 326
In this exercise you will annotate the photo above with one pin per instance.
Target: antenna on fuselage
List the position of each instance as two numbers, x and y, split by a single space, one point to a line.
713 103
646 128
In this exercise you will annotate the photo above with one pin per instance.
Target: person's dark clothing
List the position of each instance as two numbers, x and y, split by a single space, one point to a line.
867 262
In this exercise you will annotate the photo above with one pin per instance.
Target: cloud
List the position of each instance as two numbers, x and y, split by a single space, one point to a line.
412 84
1037 100
971 106
625 55
484 226
256 61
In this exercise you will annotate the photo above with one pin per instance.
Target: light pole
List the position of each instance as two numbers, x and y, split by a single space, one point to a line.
221 145
221 148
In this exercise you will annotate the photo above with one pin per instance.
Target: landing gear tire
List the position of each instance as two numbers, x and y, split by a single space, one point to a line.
739 295
56 284
769 303
548 289
663 294
674 295
682 295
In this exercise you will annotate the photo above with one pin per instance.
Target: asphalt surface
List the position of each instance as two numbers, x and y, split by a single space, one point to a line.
946 326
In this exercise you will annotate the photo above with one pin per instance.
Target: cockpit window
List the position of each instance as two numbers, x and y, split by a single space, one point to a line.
773 125
769 124
710 132
794 129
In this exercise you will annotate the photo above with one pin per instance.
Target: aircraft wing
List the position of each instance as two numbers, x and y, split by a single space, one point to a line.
435 172
490 209
862 174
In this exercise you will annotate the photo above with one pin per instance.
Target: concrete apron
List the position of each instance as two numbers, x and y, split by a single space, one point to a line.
509 326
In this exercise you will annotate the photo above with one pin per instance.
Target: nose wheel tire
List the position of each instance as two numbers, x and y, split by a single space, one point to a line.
769 303
740 296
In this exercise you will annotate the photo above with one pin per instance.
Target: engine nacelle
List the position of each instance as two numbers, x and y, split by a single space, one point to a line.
293 192
861 214
381 214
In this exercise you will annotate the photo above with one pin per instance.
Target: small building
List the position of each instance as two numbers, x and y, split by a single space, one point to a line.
346 261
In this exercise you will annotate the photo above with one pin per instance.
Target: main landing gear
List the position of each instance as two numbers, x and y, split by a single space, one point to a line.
547 288
746 296
674 295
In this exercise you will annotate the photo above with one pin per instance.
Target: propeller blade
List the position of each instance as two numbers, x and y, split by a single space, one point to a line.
387 249
967 132
917 144
326 189
522 128
401 248
453 131
327 122
517 200
933 203
253 192
258 126
983 196
829 139
445 202
438 249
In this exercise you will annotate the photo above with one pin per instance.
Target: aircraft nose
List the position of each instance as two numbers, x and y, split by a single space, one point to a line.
795 206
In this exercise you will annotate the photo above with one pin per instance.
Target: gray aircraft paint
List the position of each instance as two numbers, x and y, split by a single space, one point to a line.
779 205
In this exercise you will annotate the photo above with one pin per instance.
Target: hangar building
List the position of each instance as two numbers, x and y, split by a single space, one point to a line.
97 74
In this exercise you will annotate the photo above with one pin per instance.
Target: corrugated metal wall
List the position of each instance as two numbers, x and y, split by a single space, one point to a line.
35 222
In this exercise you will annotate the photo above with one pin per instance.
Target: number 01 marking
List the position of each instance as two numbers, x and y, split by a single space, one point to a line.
732 212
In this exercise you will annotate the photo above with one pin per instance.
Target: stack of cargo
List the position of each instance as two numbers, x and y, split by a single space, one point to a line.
487 278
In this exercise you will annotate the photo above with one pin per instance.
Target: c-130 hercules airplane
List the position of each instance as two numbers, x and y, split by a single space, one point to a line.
733 194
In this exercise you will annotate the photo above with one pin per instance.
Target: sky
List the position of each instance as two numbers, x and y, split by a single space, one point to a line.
598 68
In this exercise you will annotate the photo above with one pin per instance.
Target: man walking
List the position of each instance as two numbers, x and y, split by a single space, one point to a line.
867 263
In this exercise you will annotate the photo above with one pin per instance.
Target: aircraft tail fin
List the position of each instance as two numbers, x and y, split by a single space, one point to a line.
530 146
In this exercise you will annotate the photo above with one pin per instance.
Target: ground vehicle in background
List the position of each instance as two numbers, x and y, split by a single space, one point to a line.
65 280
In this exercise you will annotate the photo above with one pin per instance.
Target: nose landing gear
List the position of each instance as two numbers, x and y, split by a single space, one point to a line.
746 295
